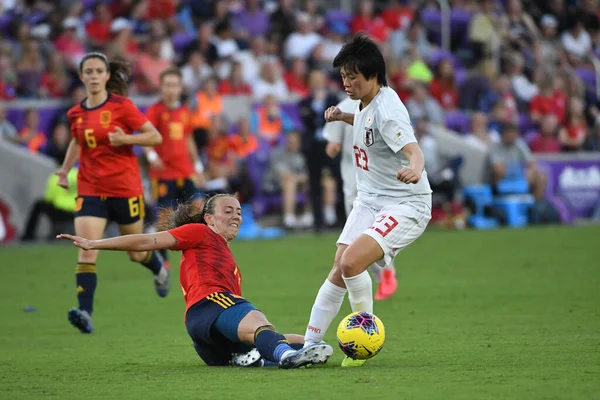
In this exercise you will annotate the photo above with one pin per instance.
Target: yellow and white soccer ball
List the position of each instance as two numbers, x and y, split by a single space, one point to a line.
361 335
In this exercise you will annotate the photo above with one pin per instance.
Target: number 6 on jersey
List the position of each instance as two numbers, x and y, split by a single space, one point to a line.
362 161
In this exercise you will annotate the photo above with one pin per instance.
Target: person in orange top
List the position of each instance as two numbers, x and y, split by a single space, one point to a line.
31 135
244 142
109 184
209 103
175 167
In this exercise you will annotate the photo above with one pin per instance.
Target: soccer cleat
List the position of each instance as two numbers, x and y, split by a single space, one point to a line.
314 354
81 320
388 285
162 282
348 362
249 359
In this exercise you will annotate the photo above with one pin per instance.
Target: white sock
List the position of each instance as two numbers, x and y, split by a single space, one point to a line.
360 292
326 307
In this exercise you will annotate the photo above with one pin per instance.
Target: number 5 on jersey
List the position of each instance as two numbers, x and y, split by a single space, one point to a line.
362 161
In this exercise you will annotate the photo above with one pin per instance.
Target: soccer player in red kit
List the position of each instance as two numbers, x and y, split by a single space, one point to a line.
109 184
175 167
218 319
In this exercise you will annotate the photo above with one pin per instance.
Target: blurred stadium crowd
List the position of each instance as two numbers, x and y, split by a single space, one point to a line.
512 66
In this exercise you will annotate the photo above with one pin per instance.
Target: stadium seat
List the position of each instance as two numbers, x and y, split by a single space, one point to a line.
481 196
457 121
250 228
515 208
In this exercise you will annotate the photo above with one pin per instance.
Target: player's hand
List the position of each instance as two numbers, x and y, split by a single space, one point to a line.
63 182
333 149
118 138
78 241
333 114
408 175
157 164
198 179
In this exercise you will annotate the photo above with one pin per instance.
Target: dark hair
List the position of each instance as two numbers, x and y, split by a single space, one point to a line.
170 71
120 72
192 212
509 127
362 55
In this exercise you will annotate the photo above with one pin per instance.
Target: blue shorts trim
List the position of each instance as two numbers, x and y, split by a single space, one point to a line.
228 322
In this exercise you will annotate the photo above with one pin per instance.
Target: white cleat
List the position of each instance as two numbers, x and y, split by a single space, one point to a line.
314 354
249 359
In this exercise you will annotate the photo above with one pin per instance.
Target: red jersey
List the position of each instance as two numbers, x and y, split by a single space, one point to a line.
174 126
105 170
207 264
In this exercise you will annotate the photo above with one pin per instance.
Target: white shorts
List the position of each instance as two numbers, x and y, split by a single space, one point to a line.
393 227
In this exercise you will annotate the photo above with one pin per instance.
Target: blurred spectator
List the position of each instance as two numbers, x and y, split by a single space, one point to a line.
252 59
235 85
209 106
58 205
592 142
315 13
576 42
398 15
366 21
546 140
7 130
270 82
312 111
203 44
224 41
295 78
548 46
283 21
484 30
149 67
98 28
334 40
422 105
55 81
481 136
548 101
399 79
59 142
574 133
221 161
195 72
519 30
31 135
243 142
269 121
8 78
511 159
69 44
524 89
414 39
443 87
301 43
288 174
503 90
250 21
122 44
30 69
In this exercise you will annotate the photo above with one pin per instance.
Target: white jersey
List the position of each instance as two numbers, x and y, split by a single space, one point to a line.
341 132
381 130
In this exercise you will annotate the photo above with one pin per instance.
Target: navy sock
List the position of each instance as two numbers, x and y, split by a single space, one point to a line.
164 254
153 262
270 344
86 281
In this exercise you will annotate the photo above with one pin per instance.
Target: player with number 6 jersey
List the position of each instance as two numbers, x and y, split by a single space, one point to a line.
393 206
109 184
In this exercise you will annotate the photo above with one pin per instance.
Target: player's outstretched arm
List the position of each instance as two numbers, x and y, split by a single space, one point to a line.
141 242
335 114
70 159
412 174
148 136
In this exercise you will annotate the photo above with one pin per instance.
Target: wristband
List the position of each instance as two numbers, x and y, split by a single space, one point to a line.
151 156
199 167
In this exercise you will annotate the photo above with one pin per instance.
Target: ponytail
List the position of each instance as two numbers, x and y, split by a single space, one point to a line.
192 212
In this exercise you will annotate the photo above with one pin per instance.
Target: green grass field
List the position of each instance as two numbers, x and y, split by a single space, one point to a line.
478 315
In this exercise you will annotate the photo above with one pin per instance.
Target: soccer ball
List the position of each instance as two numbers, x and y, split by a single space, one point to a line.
361 335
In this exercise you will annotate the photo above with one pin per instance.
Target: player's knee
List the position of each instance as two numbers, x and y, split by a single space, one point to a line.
350 267
87 256
335 275
137 256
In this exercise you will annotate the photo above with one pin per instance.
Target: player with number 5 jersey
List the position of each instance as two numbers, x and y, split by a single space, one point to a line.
109 184
393 206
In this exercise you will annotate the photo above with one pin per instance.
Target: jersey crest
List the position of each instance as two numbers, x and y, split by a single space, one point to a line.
105 119
369 137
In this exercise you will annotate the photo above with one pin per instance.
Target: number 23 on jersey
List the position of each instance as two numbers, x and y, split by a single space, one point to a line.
362 160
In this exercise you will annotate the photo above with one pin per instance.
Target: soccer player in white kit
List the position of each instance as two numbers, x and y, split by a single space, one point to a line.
339 137
393 206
